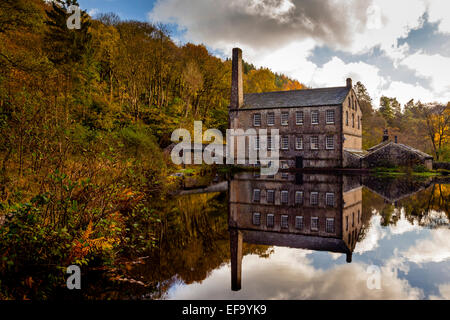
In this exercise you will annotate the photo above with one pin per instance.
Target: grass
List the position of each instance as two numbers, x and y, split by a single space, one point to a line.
418 171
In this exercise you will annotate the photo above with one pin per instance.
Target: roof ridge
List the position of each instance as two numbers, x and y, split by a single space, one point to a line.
298 90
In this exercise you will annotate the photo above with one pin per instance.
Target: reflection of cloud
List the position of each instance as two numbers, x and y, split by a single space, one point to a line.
444 291
403 225
290 275
374 234
436 249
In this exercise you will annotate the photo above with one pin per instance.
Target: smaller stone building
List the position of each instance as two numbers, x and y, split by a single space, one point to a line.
391 153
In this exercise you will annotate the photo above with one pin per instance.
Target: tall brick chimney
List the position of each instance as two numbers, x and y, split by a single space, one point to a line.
349 83
237 83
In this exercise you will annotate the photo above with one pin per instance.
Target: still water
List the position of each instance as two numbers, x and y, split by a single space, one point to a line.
301 236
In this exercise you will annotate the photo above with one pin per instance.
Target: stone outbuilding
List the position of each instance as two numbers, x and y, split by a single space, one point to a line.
391 153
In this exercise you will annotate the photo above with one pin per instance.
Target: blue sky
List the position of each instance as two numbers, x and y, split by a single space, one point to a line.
396 48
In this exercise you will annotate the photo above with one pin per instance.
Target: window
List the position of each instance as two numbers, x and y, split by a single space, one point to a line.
314 117
256 219
284 118
257 143
270 196
270 220
359 215
346 118
330 142
353 219
359 122
353 120
285 175
284 197
329 226
298 197
284 164
270 118
299 222
299 143
346 223
256 195
285 143
284 222
314 223
314 143
299 117
329 199
257 119
314 200
330 116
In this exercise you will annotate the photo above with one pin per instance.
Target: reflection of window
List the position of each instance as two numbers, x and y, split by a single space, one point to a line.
329 227
353 219
285 142
256 195
270 220
314 117
284 222
284 118
257 143
299 143
346 118
359 122
359 215
346 223
329 199
314 199
284 197
256 219
299 223
257 119
270 196
330 143
353 120
269 143
314 223
285 175
270 119
330 116
298 197
314 143
299 117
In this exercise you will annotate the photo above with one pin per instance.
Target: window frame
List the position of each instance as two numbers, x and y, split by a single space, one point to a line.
283 141
314 193
333 199
284 221
327 221
270 216
256 191
272 192
298 138
284 113
332 142
334 116
297 113
284 192
315 219
271 114
315 112
301 197
299 223
311 142
256 216
254 119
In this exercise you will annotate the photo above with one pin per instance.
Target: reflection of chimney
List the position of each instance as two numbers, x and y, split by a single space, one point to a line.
237 84
385 135
236 258
349 83
349 257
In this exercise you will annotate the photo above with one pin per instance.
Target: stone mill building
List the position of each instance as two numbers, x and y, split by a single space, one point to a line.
318 128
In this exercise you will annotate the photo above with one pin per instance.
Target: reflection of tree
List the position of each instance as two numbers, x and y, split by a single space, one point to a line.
418 208
193 241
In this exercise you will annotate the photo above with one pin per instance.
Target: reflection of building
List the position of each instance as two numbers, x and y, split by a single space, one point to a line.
308 211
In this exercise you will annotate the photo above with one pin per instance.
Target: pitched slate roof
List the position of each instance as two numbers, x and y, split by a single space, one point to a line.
404 146
295 98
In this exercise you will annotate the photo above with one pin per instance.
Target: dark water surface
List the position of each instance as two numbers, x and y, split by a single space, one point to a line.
302 236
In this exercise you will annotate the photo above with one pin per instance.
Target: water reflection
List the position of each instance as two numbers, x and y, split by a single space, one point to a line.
307 211
309 227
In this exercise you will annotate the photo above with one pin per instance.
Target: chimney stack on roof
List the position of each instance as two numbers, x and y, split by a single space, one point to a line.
237 83
349 83
385 135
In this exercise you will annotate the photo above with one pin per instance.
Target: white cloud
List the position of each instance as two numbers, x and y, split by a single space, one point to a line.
289 274
444 291
438 12
374 234
436 249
